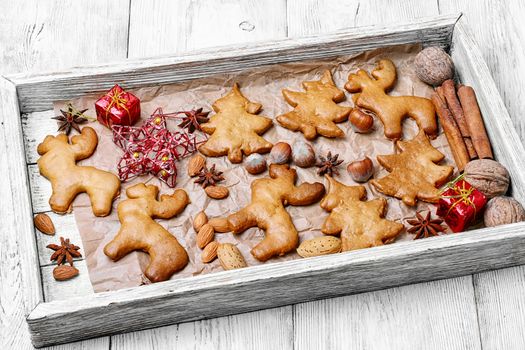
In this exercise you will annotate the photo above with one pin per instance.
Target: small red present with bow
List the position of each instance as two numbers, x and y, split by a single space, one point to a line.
118 107
460 204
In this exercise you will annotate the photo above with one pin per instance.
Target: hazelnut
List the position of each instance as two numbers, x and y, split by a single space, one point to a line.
303 154
281 153
502 211
434 66
361 170
361 121
255 164
488 176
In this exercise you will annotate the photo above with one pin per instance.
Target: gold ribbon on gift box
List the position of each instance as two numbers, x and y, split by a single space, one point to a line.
117 100
463 195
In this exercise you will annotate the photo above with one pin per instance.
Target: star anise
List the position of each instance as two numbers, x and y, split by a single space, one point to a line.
328 165
193 119
209 177
65 250
425 227
70 118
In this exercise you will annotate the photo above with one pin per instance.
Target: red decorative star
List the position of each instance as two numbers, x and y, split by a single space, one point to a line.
152 148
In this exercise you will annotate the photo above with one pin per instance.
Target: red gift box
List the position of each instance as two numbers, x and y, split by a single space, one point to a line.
118 107
460 204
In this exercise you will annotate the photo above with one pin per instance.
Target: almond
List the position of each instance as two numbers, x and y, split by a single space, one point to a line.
220 225
64 272
44 224
217 192
319 246
210 252
200 219
196 164
230 257
206 235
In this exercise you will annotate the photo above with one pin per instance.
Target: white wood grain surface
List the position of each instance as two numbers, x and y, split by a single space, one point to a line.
43 35
97 31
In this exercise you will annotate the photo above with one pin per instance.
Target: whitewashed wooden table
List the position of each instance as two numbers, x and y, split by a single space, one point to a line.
473 312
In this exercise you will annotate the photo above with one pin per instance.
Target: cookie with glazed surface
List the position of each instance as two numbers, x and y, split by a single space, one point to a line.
235 129
316 111
266 210
58 164
138 230
361 223
391 110
413 172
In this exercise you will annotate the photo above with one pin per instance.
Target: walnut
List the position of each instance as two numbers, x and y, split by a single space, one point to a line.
488 176
434 66
503 210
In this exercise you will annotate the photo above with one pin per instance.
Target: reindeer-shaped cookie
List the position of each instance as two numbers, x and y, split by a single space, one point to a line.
138 230
316 110
360 223
390 109
58 164
266 210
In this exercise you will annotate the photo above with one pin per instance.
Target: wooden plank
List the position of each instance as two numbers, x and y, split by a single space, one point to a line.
20 286
40 190
268 329
35 127
36 92
392 318
59 290
189 25
434 315
306 17
501 307
232 292
46 35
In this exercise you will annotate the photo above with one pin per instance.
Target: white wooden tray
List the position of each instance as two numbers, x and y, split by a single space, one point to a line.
70 311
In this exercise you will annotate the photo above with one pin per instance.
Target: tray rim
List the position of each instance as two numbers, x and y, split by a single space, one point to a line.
510 237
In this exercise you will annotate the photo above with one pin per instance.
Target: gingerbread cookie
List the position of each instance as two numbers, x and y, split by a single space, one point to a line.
316 110
413 174
138 230
58 164
361 223
235 128
391 110
266 210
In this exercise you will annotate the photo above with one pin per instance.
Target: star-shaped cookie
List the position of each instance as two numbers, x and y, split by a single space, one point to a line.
413 172
361 223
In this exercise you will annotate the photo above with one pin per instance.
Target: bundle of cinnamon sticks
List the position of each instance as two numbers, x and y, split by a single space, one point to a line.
461 119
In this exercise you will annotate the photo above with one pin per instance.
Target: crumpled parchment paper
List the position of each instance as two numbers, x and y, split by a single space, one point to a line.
261 85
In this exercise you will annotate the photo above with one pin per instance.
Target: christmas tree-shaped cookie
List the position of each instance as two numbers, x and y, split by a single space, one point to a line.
235 128
361 223
413 172
316 110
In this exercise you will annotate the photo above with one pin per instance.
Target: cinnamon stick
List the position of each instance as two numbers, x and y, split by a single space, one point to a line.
452 132
474 120
449 91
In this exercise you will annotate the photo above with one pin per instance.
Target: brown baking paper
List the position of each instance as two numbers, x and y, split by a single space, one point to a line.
261 85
